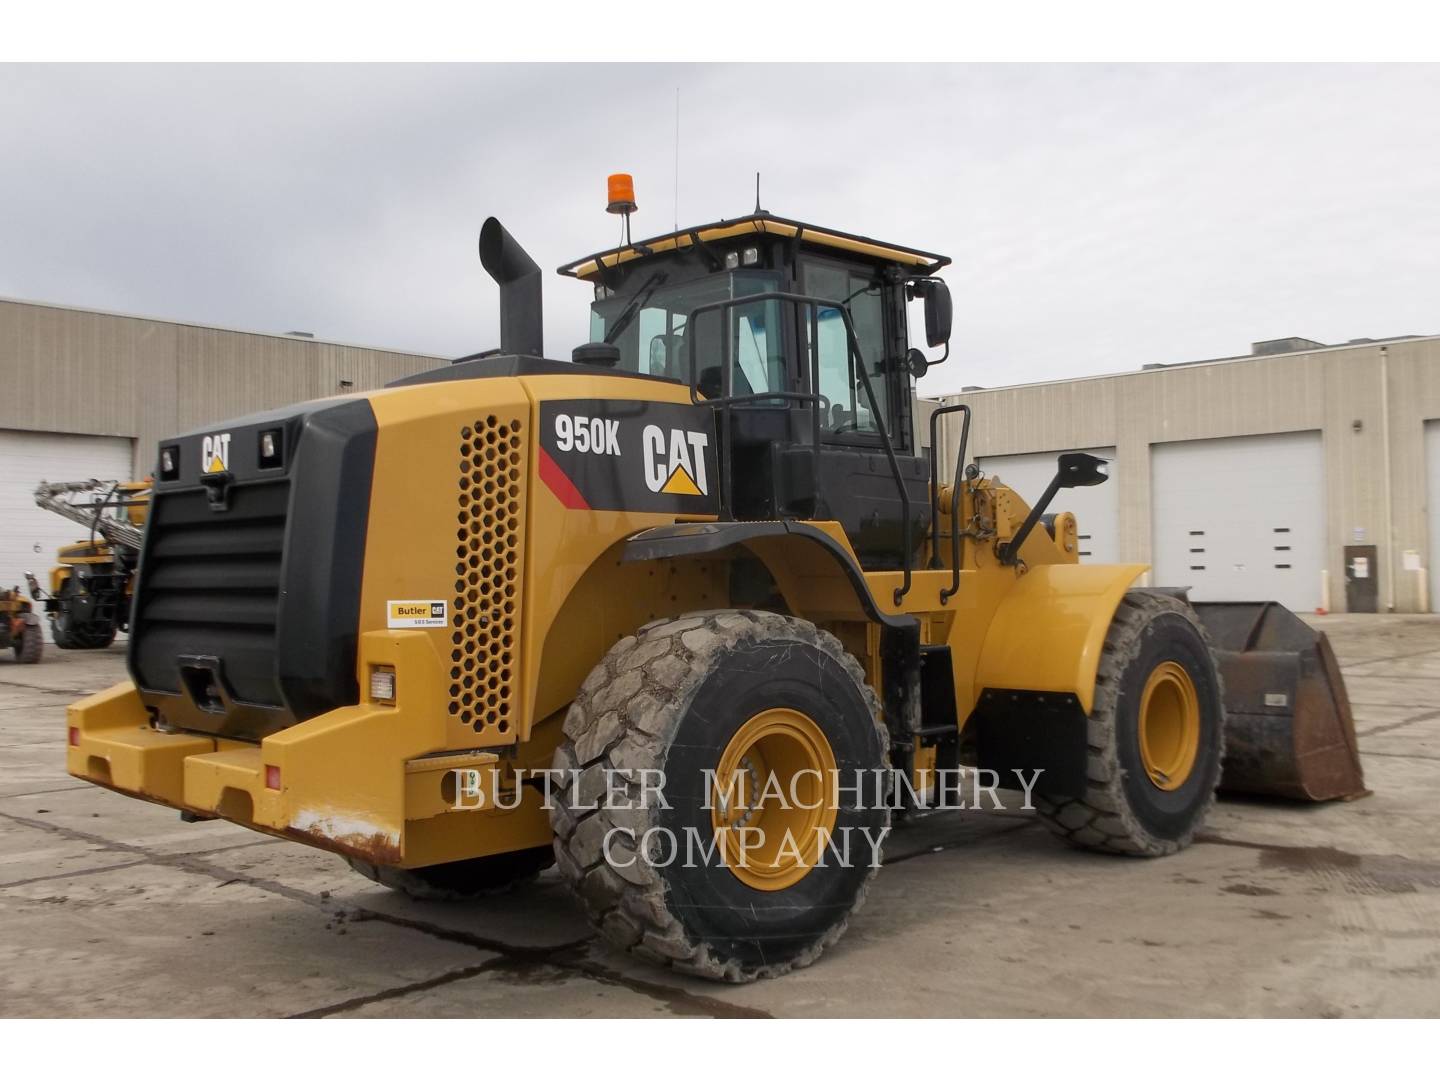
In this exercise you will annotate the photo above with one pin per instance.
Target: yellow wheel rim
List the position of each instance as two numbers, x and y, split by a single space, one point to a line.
773 807
1169 726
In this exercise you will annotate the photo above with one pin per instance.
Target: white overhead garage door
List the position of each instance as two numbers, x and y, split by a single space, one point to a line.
1096 509
1241 518
29 535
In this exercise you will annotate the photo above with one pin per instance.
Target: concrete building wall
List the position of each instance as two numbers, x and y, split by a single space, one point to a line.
91 373
1386 389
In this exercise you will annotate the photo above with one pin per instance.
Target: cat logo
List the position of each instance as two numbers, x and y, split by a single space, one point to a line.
675 465
215 453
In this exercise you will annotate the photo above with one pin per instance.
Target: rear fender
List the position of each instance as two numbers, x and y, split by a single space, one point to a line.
817 575
819 579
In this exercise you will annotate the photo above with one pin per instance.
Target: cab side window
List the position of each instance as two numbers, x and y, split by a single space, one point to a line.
848 410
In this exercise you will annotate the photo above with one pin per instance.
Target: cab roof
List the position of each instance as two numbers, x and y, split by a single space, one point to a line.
925 261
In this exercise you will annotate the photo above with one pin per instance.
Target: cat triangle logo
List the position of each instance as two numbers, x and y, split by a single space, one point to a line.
680 483
215 453
675 460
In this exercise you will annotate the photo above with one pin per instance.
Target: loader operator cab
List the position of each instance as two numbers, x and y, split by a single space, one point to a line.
799 337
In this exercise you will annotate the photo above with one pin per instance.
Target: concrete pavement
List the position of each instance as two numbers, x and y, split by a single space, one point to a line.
113 907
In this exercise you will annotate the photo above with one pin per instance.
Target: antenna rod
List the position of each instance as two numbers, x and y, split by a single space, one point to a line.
677 159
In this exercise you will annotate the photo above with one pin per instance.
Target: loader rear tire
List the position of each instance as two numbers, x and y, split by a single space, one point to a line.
468 879
746 694
1159 705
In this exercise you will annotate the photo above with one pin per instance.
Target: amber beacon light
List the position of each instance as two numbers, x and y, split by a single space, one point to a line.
621 190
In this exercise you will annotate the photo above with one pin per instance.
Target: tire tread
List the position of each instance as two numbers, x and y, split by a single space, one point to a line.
630 910
1102 818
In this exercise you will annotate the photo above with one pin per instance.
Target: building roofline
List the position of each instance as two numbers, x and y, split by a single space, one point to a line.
1189 365
224 329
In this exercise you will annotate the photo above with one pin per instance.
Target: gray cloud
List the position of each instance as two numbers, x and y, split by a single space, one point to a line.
1099 217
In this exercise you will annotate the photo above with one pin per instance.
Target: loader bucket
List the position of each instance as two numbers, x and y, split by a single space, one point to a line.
1288 728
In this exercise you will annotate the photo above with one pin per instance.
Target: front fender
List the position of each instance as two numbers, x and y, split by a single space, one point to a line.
1048 632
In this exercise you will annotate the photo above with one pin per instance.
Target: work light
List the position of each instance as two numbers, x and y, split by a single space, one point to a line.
382 685
270 447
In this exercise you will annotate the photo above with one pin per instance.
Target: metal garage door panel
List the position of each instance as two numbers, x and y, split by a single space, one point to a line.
1241 518
29 535
1096 509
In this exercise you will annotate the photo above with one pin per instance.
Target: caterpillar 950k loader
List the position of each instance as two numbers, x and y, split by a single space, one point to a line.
703 573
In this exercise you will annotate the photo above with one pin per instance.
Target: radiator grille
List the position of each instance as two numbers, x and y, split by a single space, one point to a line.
487 577
211 586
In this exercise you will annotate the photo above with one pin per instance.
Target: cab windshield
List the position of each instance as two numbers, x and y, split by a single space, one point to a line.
648 324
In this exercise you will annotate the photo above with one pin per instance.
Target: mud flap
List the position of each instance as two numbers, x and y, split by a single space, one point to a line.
1288 728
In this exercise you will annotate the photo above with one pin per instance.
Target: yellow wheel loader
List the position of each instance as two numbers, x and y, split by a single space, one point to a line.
88 601
20 628
689 614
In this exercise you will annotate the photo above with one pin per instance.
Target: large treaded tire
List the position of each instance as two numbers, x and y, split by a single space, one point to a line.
31 646
668 699
469 879
69 635
1121 811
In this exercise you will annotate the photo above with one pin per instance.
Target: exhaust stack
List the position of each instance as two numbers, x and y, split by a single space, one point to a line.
521 324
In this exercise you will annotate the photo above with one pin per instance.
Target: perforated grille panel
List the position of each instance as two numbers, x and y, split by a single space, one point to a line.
485 654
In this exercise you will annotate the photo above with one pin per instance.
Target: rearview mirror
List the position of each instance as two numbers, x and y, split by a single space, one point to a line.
939 314
1082 470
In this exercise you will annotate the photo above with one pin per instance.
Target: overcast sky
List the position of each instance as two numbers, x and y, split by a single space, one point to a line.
1098 217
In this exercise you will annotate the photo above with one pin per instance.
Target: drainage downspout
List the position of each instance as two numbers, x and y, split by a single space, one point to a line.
1389 509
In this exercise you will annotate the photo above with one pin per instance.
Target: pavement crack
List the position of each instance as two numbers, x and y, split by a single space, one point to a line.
69 692
46 791
680 1001
1386 659
1398 724
398 991
73 873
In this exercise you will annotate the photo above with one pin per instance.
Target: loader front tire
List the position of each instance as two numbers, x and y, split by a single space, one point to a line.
468 879
1156 734
687 705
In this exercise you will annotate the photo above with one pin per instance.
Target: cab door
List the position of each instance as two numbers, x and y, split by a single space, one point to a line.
856 485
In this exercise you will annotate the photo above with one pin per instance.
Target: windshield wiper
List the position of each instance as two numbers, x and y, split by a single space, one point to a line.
631 309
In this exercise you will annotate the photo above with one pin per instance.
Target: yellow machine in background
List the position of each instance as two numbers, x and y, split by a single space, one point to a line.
88 600
20 628
707 552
